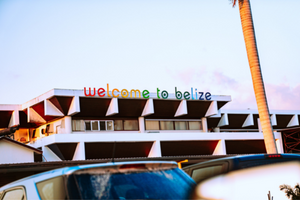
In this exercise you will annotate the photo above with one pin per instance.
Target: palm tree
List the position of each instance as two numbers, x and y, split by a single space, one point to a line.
253 59
291 193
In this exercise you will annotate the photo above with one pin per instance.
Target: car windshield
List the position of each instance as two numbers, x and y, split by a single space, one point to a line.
160 184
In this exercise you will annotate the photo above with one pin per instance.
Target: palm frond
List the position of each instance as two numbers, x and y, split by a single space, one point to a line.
233 2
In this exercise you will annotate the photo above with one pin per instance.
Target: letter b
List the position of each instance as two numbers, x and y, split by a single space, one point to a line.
178 94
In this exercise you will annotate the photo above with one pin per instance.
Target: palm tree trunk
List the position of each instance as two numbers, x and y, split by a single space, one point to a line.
259 90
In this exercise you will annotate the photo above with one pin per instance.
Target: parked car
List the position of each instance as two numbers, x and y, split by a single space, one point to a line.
208 169
278 181
120 180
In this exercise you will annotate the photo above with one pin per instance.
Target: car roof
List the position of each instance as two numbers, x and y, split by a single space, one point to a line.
68 170
244 158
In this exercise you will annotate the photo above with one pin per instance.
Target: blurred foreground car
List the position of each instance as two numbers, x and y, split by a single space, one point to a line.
267 182
208 169
121 180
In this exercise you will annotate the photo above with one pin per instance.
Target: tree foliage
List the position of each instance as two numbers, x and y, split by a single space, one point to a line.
291 193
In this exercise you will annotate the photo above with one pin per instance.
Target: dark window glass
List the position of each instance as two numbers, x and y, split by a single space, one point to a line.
131 125
206 172
95 126
102 126
88 126
118 125
195 125
47 128
180 125
33 134
166 125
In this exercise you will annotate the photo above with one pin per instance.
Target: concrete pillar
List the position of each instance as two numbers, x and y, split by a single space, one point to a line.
279 144
220 148
79 152
142 124
68 124
217 130
204 124
259 125
155 150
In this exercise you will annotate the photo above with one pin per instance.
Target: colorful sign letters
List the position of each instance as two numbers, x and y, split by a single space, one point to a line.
101 92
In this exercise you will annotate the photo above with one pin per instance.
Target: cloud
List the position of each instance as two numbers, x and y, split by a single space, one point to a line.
204 77
280 96
189 75
221 78
283 96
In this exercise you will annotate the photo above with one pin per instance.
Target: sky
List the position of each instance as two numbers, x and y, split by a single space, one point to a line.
131 44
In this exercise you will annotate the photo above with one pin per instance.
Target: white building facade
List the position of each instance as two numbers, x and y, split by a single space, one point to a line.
92 124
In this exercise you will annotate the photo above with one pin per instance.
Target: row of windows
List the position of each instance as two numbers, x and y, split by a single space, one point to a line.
105 125
132 125
173 125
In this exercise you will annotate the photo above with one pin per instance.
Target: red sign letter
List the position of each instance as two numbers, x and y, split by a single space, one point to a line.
100 91
90 93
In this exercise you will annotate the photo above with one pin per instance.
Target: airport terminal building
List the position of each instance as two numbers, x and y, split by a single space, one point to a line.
65 124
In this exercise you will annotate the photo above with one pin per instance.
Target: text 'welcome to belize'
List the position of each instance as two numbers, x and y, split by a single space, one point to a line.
101 92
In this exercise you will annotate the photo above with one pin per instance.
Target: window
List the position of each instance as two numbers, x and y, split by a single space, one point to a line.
95 125
196 125
109 126
152 125
131 125
16 194
105 125
172 125
52 189
125 125
206 172
118 125
102 126
78 125
181 126
98 125
88 126
47 128
92 125
166 125
33 133
129 185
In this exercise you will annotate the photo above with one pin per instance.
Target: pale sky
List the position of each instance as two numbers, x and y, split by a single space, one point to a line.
145 44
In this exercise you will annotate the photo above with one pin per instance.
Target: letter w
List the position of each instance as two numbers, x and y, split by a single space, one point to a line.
90 93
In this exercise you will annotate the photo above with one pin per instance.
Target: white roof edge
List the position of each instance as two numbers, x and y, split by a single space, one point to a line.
38 99
80 93
255 111
10 107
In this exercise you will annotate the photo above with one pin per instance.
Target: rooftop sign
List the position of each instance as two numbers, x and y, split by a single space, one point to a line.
101 92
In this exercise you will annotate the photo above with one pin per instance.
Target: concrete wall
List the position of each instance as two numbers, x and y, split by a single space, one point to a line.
13 153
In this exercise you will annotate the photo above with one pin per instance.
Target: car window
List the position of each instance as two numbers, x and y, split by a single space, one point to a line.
131 185
206 172
52 189
17 194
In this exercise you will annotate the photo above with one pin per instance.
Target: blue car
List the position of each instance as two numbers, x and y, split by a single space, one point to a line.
120 180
